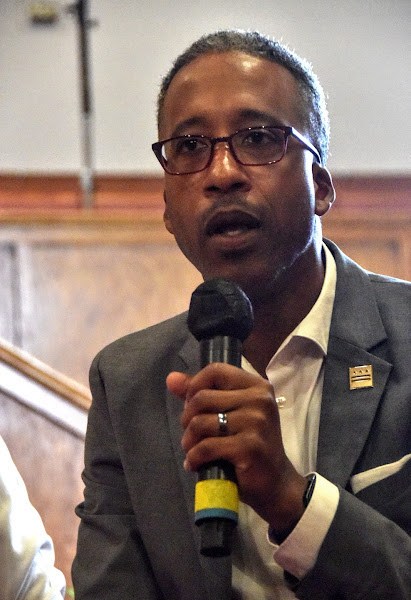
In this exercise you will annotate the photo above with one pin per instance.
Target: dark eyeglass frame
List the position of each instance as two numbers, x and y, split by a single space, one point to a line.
288 131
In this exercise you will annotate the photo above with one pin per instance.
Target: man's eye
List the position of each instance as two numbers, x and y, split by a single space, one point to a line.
260 138
188 145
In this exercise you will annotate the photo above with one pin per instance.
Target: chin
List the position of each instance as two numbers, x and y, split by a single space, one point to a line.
249 284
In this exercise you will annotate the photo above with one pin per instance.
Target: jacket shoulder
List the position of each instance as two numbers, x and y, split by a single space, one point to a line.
393 297
172 331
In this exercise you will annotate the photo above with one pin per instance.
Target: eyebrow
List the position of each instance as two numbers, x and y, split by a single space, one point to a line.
187 123
247 114
259 115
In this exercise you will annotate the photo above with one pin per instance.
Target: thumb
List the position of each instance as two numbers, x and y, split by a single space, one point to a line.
177 384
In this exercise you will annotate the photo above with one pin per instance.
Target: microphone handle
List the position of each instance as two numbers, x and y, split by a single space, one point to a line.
216 495
221 348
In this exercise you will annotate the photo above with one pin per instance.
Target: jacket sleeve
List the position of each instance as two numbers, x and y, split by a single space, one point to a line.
366 554
109 545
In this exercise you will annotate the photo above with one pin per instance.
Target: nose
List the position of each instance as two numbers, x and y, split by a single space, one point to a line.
224 172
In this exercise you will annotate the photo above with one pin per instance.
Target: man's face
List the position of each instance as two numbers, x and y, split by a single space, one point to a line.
250 224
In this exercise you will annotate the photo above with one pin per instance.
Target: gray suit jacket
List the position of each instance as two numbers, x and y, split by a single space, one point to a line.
137 539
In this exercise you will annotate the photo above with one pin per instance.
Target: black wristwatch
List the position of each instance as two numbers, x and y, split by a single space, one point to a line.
311 479
279 536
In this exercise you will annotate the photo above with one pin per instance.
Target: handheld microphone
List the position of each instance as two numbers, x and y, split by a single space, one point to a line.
220 318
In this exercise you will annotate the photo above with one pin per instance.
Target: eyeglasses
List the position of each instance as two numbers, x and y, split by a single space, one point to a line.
254 146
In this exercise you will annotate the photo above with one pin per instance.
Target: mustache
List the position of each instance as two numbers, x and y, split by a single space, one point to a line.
235 201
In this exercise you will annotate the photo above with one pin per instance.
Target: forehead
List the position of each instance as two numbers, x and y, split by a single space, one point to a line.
219 88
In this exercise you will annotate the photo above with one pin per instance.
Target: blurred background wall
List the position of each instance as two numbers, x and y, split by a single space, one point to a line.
359 49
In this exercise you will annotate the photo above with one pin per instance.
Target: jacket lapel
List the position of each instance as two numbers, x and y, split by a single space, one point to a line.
346 415
188 362
356 331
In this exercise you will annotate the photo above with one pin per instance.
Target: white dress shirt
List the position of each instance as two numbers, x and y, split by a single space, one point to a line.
27 569
296 373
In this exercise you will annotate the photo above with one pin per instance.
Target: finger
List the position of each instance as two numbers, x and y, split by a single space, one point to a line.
212 402
258 392
259 419
178 383
220 376
207 425
208 450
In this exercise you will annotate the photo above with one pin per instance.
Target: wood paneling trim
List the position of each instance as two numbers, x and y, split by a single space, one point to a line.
147 225
22 362
388 193
137 193
62 192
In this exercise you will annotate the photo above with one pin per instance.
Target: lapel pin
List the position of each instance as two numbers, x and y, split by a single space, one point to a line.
361 377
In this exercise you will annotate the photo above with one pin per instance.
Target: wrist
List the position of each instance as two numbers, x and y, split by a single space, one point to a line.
279 535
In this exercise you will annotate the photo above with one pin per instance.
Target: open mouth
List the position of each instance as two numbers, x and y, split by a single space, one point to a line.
231 223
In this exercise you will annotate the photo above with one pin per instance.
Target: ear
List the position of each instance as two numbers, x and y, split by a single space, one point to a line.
324 189
166 217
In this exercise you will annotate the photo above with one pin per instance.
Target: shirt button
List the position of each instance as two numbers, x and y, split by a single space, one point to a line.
281 401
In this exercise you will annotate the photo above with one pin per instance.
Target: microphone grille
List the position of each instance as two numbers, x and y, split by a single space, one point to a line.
219 307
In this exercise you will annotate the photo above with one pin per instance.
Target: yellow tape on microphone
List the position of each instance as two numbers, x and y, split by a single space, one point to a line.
216 498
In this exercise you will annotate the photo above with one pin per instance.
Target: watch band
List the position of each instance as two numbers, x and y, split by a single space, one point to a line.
311 479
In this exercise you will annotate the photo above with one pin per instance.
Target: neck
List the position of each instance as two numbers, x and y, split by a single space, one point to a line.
278 313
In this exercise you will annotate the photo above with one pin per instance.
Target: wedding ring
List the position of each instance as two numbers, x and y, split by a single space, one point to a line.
222 423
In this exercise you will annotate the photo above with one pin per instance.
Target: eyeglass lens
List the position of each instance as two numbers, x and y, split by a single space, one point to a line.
256 146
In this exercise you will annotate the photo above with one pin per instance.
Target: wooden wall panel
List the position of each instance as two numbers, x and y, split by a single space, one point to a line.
381 256
6 291
376 244
76 298
83 284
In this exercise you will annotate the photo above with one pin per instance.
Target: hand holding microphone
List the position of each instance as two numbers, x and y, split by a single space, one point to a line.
231 425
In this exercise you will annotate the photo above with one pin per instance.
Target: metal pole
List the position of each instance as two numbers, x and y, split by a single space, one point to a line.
80 10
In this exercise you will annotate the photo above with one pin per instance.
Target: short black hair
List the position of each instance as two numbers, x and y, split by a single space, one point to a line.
256 44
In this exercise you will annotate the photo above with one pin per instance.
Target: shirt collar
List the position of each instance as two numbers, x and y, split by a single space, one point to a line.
316 325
